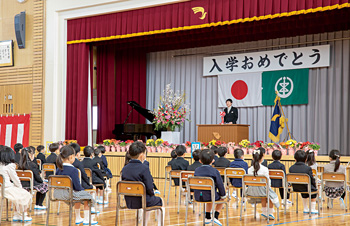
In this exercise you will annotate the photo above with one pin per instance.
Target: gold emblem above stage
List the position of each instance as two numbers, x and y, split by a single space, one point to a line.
200 10
227 132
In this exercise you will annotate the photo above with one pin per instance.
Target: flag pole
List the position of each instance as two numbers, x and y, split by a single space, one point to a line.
280 105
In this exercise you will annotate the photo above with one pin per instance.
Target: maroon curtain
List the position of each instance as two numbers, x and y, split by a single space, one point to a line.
105 79
77 93
130 84
180 16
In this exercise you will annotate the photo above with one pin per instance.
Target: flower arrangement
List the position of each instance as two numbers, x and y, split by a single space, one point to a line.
159 142
150 143
291 143
122 144
188 144
172 110
258 143
315 146
270 145
114 141
244 143
212 142
129 142
66 142
165 144
204 145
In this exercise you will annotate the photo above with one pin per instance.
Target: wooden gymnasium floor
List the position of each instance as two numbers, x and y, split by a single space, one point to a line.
334 216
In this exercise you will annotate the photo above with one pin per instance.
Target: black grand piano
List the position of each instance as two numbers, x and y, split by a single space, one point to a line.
128 131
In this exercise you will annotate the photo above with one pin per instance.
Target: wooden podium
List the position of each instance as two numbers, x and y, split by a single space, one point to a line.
227 132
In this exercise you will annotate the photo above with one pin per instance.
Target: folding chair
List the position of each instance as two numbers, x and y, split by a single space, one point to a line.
257 181
335 177
137 189
63 182
173 174
2 186
206 184
236 173
320 170
38 161
276 174
105 178
27 175
301 178
89 175
167 175
183 178
48 167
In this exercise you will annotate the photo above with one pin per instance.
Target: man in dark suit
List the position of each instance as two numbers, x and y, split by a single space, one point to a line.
231 113
301 167
85 183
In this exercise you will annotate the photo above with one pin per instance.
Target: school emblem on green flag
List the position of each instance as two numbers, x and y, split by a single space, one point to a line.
290 85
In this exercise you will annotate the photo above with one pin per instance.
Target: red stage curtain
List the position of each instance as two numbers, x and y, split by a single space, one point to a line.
77 93
105 79
130 84
180 17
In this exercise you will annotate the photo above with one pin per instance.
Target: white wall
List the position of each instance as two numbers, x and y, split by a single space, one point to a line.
57 14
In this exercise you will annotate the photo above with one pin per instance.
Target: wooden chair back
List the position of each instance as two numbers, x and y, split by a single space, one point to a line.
89 174
25 175
167 169
49 167
184 175
314 172
175 173
256 181
334 177
276 174
298 178
221 170
63 182
201 183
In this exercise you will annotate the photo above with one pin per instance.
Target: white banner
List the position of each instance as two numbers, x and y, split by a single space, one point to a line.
296 58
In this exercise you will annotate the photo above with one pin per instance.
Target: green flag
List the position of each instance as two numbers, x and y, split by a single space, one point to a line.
290 85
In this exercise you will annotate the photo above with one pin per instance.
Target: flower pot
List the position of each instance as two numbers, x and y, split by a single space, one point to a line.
250 151
107 148
230 150
159 149
153 149
118 148
122 149
112 149
245 150
188 149
284 151
291 151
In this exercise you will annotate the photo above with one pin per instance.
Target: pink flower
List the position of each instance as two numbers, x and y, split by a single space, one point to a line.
178 123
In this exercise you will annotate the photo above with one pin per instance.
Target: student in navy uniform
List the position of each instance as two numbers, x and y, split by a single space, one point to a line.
104 161
85 182
276 164
238 163
215 150
26 163
54 149
222 160
206 170
135 170
179 163
97 158
17 148
65 167
196 163
173 157
301 167
41 156
231 113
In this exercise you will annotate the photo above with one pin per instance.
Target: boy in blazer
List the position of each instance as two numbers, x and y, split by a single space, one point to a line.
206 170
301 167
179 163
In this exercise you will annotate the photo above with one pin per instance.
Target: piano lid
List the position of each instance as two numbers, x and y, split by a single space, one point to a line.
143 111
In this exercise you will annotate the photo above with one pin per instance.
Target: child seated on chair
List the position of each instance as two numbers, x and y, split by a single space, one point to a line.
17 148
97 176
41 154
276 164
196 163
335 190
64 163
104 161
54 149
206 170
238 163
311 160
26 163
173 157
13 188
301 167
257 169
135 170
222 161
179 163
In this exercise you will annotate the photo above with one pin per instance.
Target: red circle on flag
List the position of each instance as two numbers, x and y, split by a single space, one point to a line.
239 89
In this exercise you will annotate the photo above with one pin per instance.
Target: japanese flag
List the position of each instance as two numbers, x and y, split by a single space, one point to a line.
244 89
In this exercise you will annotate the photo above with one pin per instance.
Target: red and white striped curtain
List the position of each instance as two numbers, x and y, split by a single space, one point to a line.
14 129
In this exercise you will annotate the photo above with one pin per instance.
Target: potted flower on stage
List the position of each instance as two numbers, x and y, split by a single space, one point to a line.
291 146
113 144
230 147
244 145
165 147
149 144
171 113
159 143
188 146
107 145
270 148
122 146
315 146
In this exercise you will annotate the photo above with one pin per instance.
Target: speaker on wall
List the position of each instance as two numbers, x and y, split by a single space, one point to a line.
20 29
